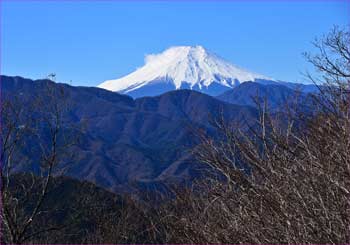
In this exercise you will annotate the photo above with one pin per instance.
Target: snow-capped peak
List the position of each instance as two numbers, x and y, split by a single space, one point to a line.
190 65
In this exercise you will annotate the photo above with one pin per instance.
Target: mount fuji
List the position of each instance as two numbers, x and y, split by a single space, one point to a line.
182 67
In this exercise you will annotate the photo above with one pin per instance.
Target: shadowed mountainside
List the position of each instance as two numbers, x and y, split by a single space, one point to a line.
144 141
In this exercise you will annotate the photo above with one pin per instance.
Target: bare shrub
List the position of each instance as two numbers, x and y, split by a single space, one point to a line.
286 180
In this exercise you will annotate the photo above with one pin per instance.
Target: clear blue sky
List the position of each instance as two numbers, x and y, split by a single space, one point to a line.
88 42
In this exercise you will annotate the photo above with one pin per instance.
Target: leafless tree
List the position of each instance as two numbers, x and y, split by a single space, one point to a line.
286 180
36 126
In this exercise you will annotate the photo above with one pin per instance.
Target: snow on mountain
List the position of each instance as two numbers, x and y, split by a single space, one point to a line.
182 67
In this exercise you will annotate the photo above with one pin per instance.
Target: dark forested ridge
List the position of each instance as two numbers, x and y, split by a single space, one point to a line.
78 212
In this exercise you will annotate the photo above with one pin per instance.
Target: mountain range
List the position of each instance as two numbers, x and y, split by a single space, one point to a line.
143 136
145 141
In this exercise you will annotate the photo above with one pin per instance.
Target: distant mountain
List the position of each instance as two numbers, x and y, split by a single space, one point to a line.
182 67
147 141
300 87
276 94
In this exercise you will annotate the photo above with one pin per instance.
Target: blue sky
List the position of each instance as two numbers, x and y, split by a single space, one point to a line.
87 42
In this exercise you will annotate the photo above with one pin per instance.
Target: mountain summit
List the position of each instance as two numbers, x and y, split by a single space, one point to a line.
182 67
